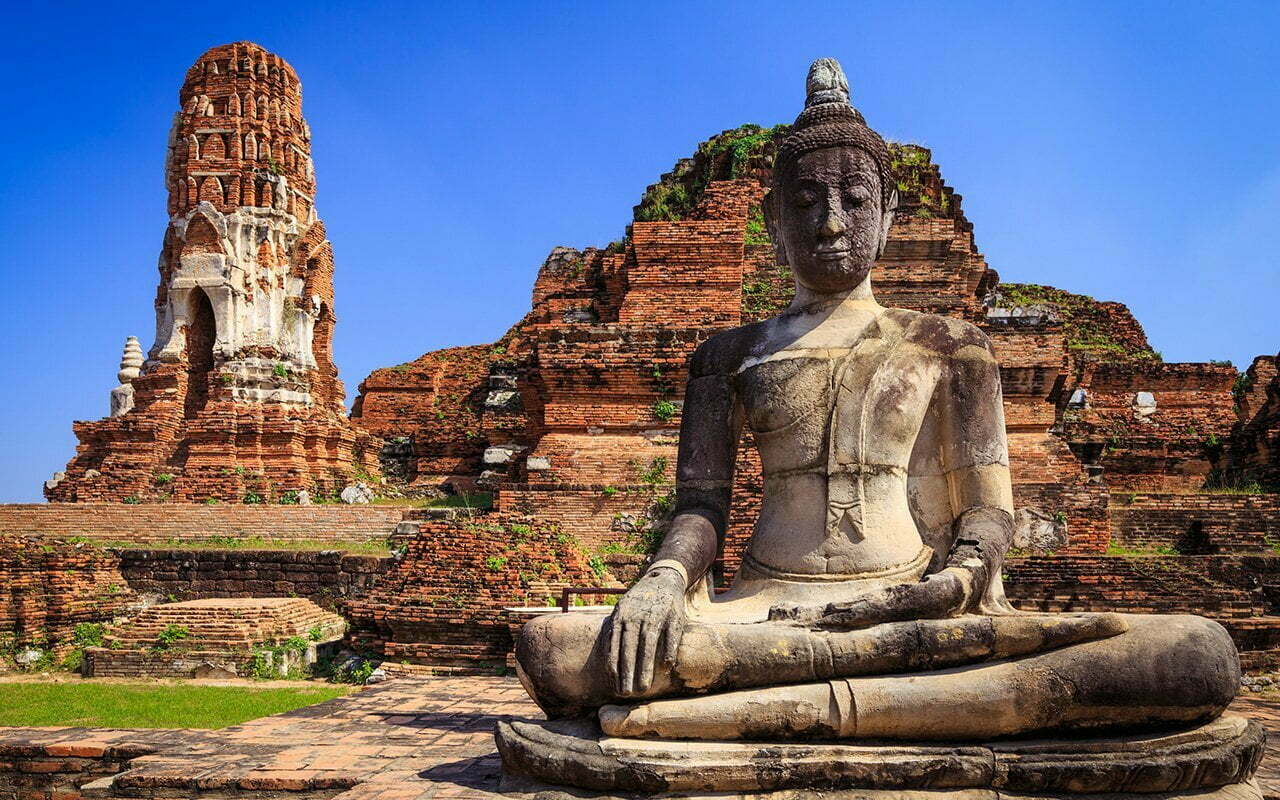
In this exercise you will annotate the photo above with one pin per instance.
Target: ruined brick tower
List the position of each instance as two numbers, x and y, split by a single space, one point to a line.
238 398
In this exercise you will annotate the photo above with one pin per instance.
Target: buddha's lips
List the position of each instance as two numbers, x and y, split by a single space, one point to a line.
830 255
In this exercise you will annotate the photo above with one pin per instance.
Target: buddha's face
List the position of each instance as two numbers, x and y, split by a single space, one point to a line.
828 211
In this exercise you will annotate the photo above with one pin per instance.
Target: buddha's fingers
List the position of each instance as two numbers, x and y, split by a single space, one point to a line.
613 664
671 634
650 635
627 663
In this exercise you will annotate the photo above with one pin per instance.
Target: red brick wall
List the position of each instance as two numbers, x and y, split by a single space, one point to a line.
1255 446
323 577
49 586
1205 585
1173 449
442 603
1196 523
52 764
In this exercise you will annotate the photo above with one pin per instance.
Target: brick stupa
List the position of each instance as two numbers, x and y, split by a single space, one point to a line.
239 398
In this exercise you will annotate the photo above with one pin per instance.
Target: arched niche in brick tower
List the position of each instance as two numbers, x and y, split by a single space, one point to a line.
202 332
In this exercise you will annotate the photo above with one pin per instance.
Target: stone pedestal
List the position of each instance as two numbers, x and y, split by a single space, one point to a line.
1215 761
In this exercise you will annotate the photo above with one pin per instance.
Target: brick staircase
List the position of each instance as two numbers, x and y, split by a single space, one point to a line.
230 623
1234 591
1139 584
222 637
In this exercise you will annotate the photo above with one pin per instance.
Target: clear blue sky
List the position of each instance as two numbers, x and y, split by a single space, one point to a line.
1130 151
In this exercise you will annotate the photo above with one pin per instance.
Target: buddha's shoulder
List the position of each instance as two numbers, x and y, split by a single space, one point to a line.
946 336
724 352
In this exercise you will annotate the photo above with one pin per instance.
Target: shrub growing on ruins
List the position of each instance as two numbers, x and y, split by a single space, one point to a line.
756 233
170 636
86 634
495 563
89 634
664 410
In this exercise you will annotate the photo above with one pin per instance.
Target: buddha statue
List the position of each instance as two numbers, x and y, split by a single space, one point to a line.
868 613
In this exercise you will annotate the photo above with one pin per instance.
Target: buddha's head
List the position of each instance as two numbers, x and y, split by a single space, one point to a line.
832 200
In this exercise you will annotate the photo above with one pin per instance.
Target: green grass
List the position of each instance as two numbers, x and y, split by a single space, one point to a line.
1114 549
475 500
367 546
141 705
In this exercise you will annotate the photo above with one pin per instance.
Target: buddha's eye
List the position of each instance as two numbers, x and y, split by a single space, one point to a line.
806 197
856 197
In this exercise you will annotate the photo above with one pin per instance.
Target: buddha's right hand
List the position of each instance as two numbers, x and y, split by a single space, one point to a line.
646 627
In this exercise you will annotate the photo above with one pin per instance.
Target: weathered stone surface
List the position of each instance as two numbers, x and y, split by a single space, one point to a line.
1038 532
1223 753
357 494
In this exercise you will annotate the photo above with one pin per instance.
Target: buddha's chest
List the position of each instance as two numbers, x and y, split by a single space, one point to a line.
872 399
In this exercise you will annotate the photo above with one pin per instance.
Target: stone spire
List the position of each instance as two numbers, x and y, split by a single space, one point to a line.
130 366
130 360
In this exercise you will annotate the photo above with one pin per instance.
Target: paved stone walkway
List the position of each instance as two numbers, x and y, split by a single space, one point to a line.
406 739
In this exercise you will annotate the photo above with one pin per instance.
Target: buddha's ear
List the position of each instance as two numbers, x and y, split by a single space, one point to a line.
771 225
886 221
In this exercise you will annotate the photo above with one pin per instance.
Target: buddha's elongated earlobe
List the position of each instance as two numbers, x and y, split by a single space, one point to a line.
770 209
886 221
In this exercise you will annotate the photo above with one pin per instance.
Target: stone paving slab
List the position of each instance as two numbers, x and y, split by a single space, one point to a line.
406 739
1266 710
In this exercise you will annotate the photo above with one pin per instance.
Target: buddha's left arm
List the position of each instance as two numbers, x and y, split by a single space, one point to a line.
974 455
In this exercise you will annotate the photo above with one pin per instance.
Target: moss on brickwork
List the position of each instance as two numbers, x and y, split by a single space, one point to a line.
1096 330
921 192
742 152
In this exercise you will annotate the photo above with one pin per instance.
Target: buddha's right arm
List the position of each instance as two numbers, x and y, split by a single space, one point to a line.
704 473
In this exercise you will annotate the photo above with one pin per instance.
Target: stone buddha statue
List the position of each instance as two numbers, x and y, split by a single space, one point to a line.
869 606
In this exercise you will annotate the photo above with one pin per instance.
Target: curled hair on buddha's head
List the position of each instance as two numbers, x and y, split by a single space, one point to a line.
829 120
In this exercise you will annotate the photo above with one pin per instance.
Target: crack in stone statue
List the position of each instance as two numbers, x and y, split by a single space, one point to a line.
869 604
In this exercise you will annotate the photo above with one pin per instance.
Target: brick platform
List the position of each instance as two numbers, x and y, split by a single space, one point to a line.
176 521
407 739
220 634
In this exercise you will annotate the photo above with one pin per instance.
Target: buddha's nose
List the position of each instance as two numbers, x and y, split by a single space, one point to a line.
832 226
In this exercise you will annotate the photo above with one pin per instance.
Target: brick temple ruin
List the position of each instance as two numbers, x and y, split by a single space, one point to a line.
1142 485
239 396
1123 465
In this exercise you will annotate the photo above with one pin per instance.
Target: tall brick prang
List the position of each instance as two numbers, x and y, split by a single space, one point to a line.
238 397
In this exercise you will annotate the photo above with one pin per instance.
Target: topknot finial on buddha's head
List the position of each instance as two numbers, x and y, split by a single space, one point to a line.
826 83
829 120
